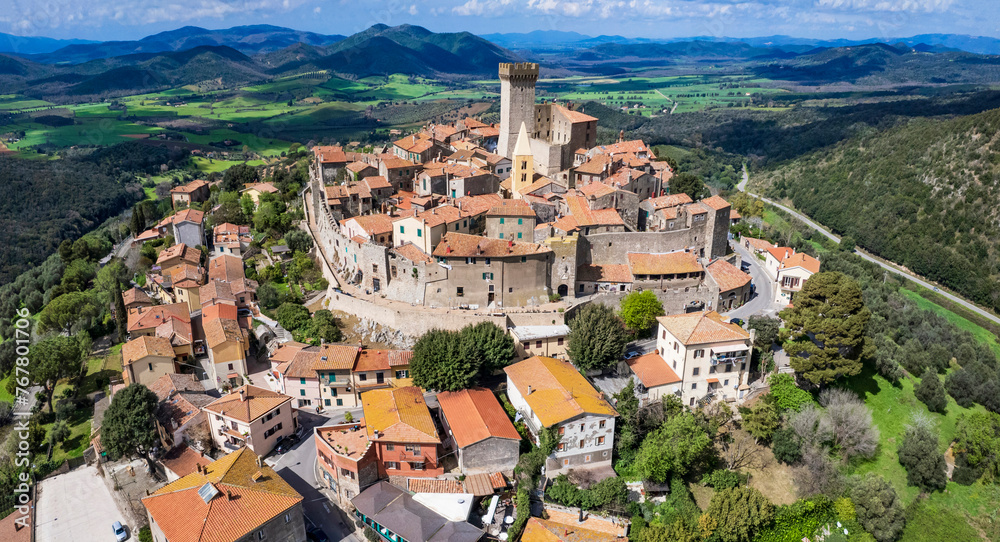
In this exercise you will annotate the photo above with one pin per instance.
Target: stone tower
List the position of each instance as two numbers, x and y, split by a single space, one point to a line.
517 102
523 162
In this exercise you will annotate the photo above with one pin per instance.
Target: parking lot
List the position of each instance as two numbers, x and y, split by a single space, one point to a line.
75 506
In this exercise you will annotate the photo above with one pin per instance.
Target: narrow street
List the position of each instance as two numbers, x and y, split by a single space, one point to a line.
762 301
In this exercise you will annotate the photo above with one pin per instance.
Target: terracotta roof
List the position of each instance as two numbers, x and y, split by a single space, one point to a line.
734 214
431 485
487 131
414 144
189 187
558 391
186 276
399 415
339 357
256 403
400 358
696 209
17 527
567 224
624 176
461 245
395 162
381 360
183 460
727 275
803 260
475 415
511 207
411 252
222 330
780 253
635 146
485 483
376 182
144 346
226 267
477 205
670 263
542 530
176 330
670 200
537 185
244 501
596 189
345 441
574 116
330 154
372 224
189 215
604 273
715 202
181 398
585 216
219 310
286 351
216 290
652 370
151 317
357 167
442 214
701 328
135 295
182 251
759 244
595 166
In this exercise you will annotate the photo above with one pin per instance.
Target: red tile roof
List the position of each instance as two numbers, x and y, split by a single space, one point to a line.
399 415
255 403
145 346
800 259
652 370
460 245
189 187
189 215
412 253
558 391
151 317
727 276
701 328
670 200
663 264
330 155
511 207
475 415
585 216
604 273
377 224
247 496
574 116
715 202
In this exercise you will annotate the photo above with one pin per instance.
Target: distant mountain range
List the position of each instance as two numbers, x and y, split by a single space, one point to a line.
542 39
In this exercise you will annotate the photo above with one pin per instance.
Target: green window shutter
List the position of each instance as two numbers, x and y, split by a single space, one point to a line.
420 233
302 381
491 276
520 221
484 276
401 230
501 220
326 402
501 235
302 392
518 235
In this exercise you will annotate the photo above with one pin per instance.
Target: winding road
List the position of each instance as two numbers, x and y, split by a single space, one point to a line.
887 266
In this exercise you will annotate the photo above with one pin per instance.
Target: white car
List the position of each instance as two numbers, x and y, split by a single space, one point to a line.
120 533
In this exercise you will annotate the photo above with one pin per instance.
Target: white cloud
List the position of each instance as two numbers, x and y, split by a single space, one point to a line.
926 6
413 9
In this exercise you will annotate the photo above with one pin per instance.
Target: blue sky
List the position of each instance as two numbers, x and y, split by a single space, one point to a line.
131 19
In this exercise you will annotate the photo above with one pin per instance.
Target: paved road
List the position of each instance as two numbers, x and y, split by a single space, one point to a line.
887 266
762 301
75 506
297 467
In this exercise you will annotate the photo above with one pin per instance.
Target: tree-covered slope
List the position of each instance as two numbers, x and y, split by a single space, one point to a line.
924 194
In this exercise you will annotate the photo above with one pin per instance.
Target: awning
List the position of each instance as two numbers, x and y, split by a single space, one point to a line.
712 380
729 348
232 375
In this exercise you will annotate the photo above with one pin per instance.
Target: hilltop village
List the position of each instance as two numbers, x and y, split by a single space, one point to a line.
269 426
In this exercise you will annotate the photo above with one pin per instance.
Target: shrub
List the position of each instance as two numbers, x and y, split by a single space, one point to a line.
879 509
930 391
145 534
786 445
918 453
786 394
723 479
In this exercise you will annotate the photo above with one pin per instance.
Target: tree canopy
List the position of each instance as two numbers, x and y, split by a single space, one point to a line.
690 184
129 428
458 360
672 448
596 338
919 454
740 513
930 391
826 328
879 510
639 310
53 358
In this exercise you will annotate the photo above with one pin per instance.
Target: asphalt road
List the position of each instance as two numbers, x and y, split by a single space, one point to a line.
297 467
887 266
762 301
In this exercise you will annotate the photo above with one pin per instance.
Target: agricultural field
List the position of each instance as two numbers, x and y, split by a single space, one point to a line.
655 96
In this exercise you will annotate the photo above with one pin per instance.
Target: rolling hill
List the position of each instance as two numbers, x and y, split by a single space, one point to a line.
922 194
253 39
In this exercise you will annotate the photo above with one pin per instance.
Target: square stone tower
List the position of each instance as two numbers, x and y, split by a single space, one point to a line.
517 102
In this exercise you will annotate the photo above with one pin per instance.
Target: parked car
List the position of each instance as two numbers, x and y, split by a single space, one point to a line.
632 354
286 443
317 535
120 533
736 321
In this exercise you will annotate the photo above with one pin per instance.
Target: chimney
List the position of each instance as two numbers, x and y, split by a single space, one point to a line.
260 461
529 389
197 466
229 495
243 395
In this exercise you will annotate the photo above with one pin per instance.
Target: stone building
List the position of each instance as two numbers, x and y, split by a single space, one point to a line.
346 459
480 430
489 272
511 219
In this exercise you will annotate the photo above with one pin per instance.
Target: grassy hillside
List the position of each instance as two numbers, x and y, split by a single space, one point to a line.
922 194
